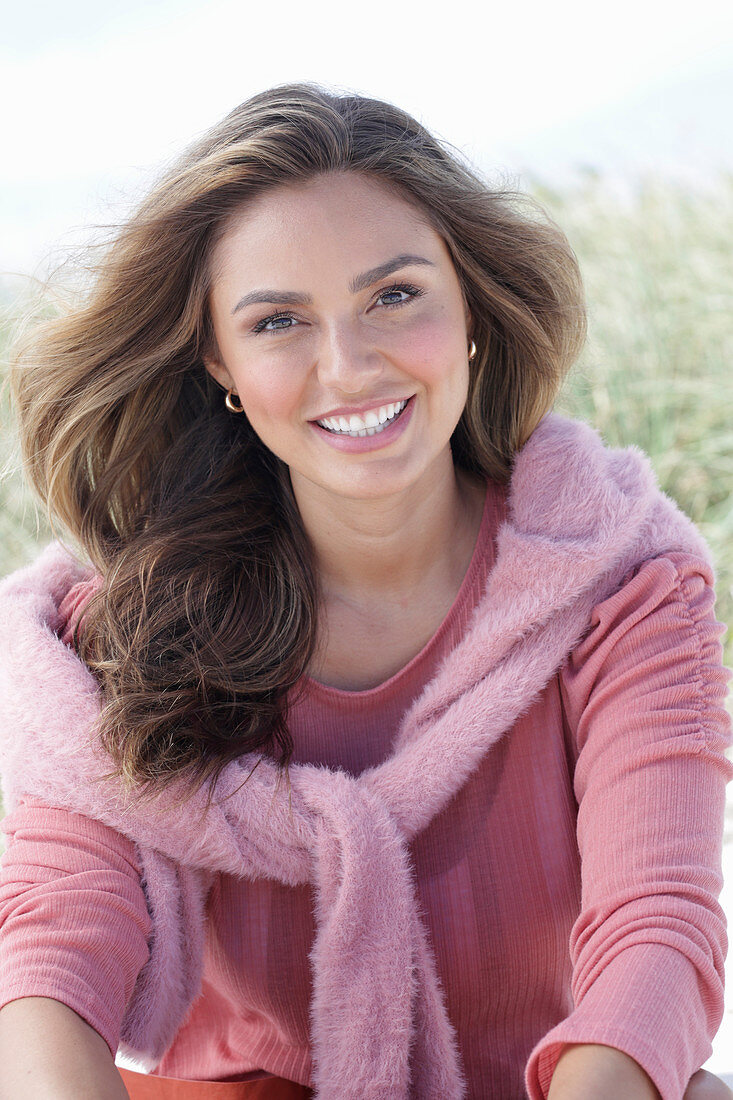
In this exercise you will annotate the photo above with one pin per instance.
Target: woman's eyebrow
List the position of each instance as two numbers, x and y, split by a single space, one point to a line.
276 297
407 259
360 282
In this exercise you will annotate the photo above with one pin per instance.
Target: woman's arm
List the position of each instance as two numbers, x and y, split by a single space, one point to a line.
643 695
605 1073
74 931
589 1069
50 1053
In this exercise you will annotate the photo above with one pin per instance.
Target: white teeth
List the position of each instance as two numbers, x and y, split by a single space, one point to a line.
372 422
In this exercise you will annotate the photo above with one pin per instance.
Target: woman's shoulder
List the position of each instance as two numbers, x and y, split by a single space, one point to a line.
672 578
654 644
47 593
70 835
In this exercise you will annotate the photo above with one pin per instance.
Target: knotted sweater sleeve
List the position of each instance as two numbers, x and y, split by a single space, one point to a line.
643 696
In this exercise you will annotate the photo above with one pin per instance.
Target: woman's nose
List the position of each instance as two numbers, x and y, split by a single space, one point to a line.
347 362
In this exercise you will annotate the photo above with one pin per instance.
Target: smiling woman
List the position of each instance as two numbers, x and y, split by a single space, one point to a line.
350 345
322 524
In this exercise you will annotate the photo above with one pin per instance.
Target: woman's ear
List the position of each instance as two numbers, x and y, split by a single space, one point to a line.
469 319
218 371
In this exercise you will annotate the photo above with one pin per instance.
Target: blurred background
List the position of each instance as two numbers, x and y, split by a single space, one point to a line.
617 118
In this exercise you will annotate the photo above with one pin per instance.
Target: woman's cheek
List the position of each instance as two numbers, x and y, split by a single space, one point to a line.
431 348
270 392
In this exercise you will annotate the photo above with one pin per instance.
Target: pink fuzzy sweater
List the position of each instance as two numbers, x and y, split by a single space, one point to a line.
513 844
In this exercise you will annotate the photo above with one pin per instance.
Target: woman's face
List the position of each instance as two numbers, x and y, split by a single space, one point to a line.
340 323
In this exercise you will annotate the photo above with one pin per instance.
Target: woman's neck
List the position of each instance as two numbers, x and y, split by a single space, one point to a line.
392 547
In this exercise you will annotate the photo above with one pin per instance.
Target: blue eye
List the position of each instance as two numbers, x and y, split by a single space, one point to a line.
271 324
392 294
400 293
399 288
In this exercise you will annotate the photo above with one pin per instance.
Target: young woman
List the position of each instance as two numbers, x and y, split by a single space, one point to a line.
322 525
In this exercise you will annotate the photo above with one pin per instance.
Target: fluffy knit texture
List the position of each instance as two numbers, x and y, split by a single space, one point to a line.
580 516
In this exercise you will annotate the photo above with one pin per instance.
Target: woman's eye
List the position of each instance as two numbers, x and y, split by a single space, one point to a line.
277 323
398 295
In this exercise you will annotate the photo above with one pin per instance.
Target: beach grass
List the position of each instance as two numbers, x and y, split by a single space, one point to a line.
656 369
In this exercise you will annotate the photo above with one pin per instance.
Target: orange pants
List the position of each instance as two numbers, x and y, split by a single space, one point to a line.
143 1086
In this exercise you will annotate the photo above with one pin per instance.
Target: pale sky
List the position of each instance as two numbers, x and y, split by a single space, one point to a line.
97 99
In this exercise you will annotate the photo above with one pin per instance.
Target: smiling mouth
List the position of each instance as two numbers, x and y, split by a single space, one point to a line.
355 426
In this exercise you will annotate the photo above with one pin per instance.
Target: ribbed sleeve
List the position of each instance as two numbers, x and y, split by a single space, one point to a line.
644 698
74 924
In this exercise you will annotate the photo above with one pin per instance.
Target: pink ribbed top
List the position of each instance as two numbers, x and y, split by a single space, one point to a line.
535 946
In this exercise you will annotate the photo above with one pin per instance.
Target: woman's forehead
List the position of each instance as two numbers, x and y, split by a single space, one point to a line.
346 197
346 215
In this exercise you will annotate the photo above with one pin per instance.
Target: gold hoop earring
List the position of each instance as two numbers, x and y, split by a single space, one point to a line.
230 404
471 350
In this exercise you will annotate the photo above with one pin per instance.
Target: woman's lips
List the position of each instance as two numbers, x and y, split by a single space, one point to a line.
361 443
360 410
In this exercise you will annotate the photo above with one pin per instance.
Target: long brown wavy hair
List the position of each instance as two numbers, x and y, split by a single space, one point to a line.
206 618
